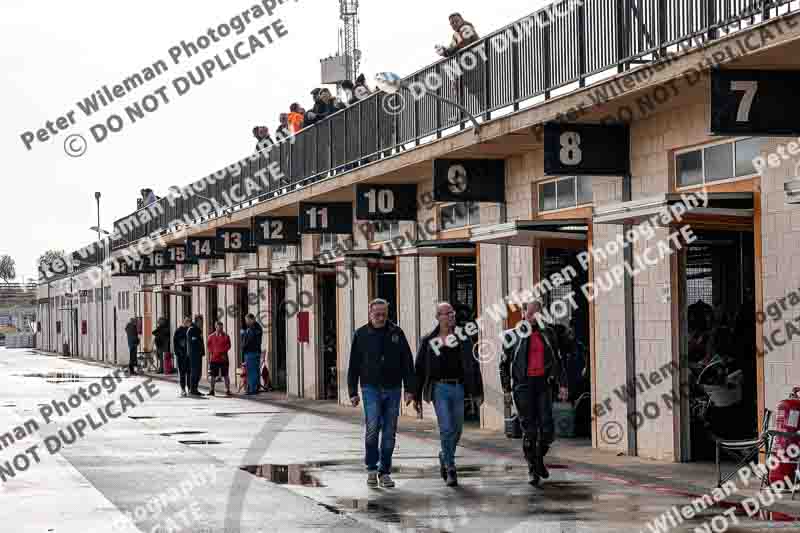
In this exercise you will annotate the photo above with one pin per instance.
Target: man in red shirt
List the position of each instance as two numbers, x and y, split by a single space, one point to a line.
219 343
529 367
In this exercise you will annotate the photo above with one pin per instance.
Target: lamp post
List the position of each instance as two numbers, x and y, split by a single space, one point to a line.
102 288
391 83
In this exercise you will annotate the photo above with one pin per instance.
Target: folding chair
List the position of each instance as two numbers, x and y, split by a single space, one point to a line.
745 451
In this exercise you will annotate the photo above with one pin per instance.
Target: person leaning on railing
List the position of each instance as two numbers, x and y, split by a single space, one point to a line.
464 36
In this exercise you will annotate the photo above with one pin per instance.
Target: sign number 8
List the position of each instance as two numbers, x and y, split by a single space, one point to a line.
571 148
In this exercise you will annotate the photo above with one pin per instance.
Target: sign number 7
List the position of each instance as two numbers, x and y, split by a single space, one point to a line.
750 88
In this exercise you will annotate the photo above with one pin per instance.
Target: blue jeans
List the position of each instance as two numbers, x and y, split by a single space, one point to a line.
448 401
253 362
381 409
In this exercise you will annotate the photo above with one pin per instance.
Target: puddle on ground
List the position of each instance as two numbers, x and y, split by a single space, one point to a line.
199 442
285 474
142 417
246 413
174 433
59 377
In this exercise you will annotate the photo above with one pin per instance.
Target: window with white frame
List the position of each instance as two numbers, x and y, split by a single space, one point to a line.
328 241
385 230
459 215
716 162
565 193
281 252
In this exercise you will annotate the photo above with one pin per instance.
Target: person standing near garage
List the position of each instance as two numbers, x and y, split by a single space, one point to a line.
529 369
179 340
381 361
195 347
132 333
251 348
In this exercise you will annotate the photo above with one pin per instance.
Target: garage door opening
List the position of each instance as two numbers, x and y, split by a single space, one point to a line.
718 340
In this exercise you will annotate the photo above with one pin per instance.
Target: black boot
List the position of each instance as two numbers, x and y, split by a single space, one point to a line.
529 449
442 468
541 469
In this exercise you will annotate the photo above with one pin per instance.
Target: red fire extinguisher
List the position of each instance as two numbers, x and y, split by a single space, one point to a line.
788 420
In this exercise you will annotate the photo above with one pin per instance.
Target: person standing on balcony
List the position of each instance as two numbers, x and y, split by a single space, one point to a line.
283 128
464 36
381 361
296 118
251 347
132 333
447 373
181 356
529 369
219 344
195 347
263 139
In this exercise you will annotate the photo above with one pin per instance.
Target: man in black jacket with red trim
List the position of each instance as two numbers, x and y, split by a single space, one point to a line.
529 368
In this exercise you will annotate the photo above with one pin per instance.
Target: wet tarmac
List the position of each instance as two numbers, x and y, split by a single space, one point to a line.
278 469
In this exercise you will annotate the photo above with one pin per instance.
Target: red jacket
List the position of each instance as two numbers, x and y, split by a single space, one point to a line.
218 346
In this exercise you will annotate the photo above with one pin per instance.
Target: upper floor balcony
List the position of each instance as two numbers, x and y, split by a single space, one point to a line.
560 48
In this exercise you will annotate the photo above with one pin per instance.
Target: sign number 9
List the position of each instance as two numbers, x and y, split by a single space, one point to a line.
457 179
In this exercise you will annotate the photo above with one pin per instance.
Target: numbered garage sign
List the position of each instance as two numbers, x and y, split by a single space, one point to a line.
386 202
161 260
275 231
178 255
203 248
755 102
234 241
469 180
327 217
586 149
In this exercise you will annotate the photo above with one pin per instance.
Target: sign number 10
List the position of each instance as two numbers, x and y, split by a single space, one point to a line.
380 201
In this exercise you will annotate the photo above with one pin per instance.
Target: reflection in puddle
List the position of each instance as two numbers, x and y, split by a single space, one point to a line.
199 442
285 474
243 413
174 433
60 377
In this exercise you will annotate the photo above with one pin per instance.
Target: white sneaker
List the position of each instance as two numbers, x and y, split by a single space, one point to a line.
183 394
372 479
387 482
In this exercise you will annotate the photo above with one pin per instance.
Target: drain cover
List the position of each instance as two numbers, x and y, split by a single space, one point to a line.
199 442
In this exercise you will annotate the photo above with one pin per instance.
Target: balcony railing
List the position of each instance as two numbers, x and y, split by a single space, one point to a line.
557 46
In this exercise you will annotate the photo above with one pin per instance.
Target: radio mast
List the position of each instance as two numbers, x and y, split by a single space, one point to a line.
348 12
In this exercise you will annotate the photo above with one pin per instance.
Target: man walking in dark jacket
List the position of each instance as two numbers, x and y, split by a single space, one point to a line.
195 347
251 347
529 368
381 361
132 332
447 373
181 355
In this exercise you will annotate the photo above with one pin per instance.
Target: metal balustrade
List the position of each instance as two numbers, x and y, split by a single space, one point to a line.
557 46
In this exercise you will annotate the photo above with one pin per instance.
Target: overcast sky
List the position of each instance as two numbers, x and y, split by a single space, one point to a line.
56 53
